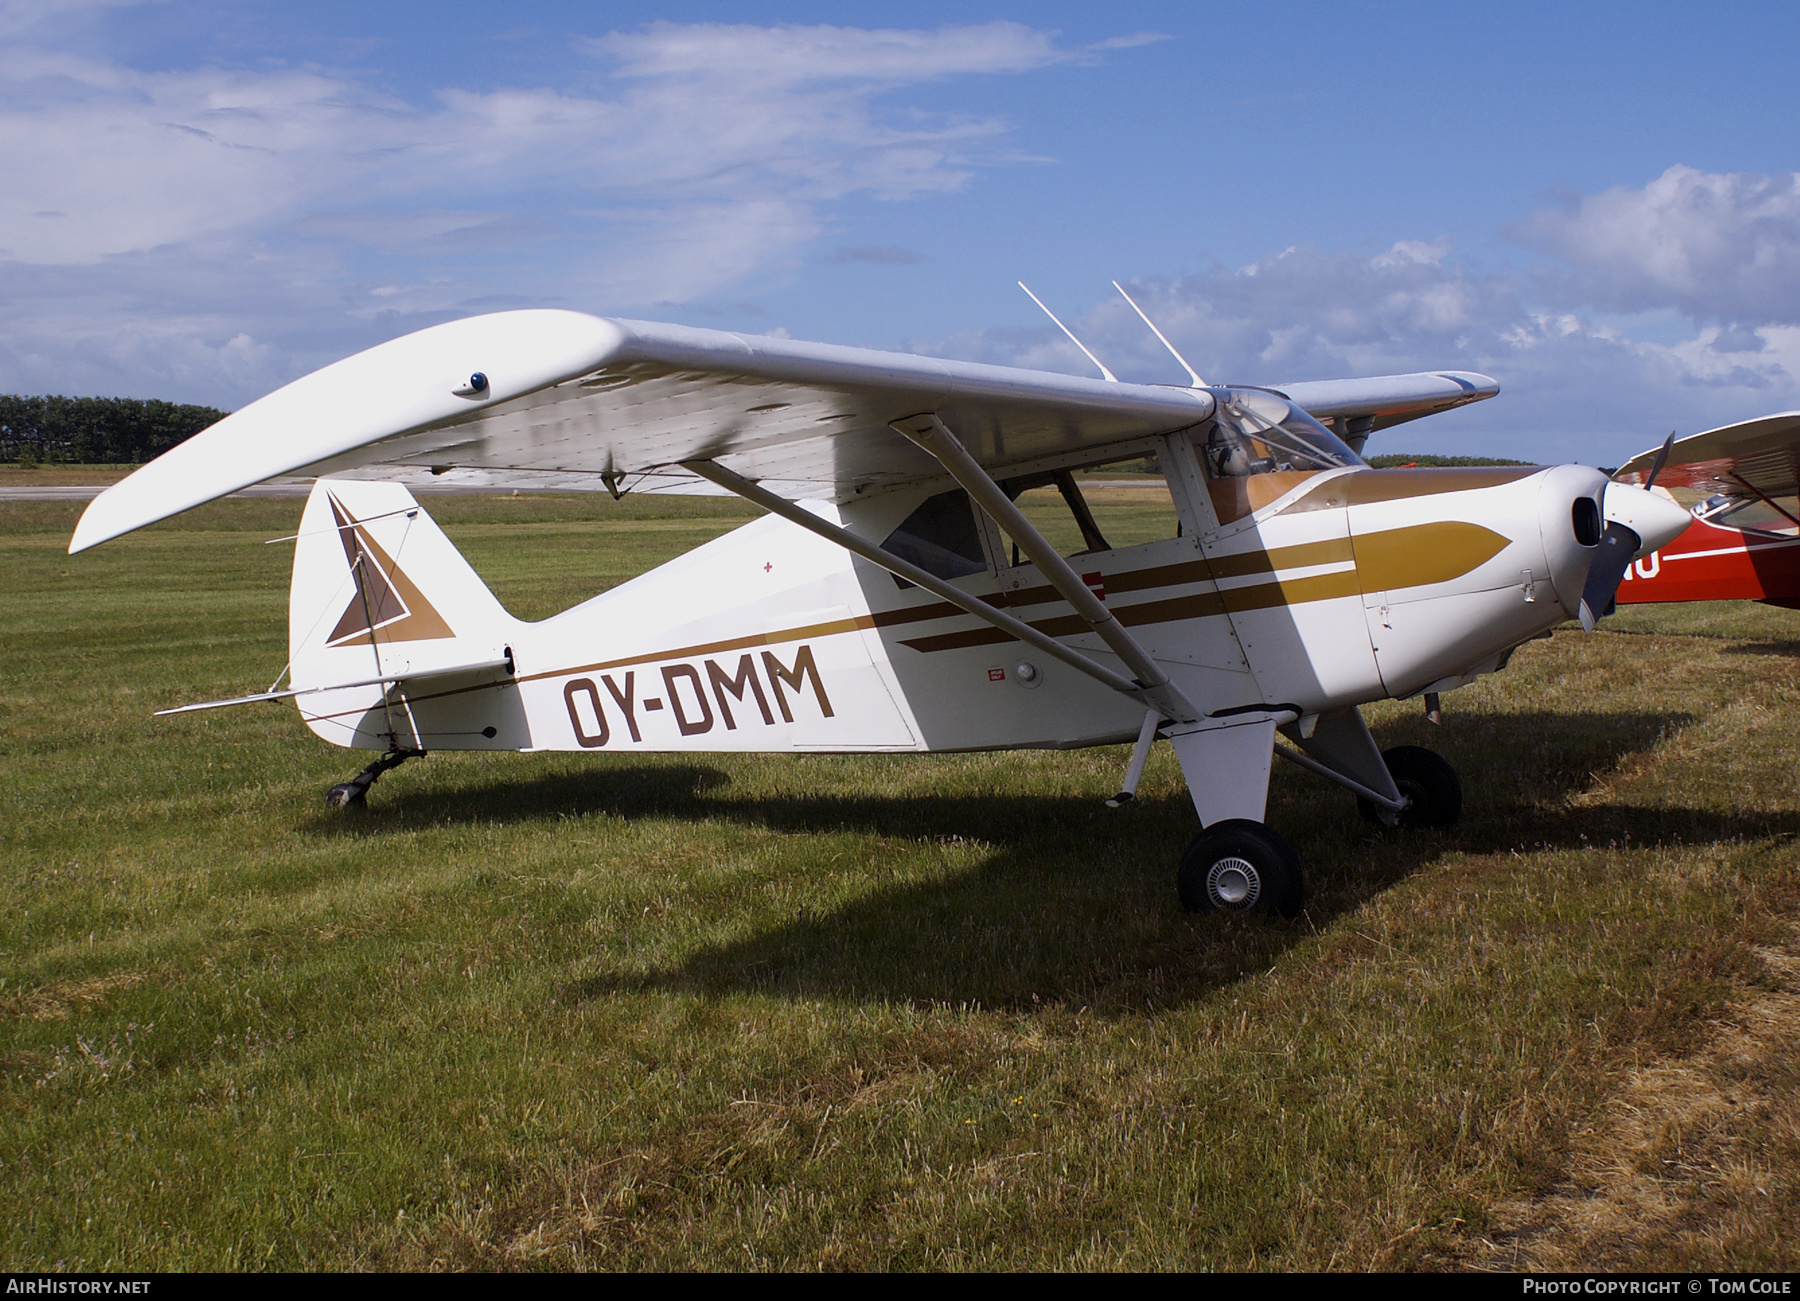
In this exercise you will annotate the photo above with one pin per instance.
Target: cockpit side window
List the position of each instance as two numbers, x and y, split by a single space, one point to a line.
1064 483
941 537
1113 505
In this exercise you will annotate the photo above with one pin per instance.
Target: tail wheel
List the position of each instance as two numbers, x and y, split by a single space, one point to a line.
1428 781
1241 866
347 795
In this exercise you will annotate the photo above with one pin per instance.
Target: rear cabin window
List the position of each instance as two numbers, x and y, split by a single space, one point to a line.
940 537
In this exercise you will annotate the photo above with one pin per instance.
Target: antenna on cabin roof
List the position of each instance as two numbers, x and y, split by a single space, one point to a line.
1110 377
1192 373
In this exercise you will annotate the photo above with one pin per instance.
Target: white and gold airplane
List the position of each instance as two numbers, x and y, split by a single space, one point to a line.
895 598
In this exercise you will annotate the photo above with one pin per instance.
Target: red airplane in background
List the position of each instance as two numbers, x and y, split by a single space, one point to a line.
1744 543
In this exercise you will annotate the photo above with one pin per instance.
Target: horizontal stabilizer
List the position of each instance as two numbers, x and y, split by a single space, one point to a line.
485 666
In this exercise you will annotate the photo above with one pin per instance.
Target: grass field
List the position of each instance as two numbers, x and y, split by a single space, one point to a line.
943 1012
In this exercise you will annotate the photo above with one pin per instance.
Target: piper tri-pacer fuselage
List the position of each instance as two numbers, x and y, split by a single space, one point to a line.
896 598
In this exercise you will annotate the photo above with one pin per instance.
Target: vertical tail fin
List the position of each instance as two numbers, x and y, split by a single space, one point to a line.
380 592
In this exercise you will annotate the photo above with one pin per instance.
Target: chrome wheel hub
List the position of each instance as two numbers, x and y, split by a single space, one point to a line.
1233 883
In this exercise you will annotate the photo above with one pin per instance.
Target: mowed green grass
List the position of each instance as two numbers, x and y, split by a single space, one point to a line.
865 1012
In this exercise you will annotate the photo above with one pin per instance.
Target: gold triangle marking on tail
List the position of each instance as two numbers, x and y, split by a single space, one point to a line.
387 606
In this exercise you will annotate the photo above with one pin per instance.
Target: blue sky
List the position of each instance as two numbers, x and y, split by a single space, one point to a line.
1596 204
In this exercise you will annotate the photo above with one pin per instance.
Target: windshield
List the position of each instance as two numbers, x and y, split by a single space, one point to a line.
1752 514
1255 431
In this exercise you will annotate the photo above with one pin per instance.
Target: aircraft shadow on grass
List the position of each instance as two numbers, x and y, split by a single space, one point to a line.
1786 647
1075 903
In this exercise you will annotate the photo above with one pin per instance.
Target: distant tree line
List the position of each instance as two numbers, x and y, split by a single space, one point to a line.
1398 460
133 430
95 430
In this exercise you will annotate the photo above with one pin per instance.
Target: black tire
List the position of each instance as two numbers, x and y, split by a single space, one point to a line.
1241 866
1427 779
346 795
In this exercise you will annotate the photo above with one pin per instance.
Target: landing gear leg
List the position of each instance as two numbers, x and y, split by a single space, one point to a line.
354 794
1429 784
1236 864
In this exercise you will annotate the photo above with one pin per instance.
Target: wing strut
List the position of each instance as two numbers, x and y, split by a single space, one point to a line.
1159 693
794 513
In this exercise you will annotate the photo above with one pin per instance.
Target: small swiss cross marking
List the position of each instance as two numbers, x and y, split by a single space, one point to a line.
768 565
1096 583
996 675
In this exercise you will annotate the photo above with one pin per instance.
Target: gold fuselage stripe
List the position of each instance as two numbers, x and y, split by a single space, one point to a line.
1389 559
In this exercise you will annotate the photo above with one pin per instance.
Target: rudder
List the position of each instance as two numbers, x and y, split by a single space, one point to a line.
380 592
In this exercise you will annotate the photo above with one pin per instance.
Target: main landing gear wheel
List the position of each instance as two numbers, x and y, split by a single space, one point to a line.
1427 780
1241 866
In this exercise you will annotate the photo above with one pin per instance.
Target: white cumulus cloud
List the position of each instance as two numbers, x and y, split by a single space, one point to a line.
692 157
1572 387
1714 246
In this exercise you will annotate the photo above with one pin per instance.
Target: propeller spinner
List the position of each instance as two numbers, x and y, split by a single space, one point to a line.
1637 520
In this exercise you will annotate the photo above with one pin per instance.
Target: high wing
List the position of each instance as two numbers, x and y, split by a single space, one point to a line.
561 399
1356 408
1754 459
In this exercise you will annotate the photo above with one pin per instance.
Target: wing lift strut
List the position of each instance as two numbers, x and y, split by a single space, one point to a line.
1224 759
1170 703
1150 686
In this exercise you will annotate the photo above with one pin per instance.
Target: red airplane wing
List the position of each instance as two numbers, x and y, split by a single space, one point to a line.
1750 468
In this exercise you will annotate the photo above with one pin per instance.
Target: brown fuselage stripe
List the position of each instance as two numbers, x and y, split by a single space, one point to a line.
857 624
835 626
1199 605
1303 555
1331 551
1445 549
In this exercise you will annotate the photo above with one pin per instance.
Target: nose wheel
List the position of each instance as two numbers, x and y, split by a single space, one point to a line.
1241 866
1427 781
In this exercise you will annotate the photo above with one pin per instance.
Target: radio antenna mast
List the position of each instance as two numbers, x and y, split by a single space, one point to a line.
1110 377
1192 373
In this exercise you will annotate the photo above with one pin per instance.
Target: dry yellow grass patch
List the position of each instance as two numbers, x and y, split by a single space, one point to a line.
52 1002
1690 1162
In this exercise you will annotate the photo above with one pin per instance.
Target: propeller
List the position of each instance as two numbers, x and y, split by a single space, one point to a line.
1618 546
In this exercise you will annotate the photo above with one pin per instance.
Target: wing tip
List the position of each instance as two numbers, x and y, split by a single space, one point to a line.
89 531
120 509
1476 387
